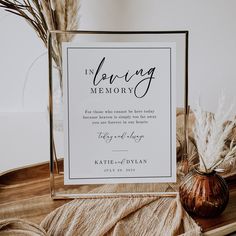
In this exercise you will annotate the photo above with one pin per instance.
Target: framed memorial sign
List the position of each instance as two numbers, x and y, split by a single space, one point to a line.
120 92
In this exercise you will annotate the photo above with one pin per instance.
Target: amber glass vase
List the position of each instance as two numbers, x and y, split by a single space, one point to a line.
204 194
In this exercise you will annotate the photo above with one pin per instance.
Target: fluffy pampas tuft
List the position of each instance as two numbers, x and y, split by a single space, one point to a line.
211 132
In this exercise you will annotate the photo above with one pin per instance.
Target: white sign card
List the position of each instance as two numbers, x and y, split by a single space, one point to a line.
120 112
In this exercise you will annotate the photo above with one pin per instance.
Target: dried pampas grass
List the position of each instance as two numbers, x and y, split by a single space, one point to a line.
61 15
45 15
211 133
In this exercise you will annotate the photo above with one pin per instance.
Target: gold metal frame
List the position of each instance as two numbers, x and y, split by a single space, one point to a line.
54 161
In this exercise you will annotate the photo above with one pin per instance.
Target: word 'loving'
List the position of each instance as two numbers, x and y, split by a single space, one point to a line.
141 88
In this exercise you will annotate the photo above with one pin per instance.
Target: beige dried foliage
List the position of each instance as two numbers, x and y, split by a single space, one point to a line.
211 133
45 15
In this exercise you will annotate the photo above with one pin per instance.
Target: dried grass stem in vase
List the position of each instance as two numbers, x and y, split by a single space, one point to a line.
203 192
45 15
211 132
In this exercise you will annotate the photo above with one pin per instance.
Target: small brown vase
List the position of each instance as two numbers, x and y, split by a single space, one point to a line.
204 194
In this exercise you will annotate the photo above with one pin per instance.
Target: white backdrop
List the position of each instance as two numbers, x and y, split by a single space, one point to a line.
23 120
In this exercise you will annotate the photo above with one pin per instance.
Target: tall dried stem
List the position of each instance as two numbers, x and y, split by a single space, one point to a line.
211 132
45 15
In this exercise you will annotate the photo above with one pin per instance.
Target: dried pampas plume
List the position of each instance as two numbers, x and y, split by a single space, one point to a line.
45 15
211 133
61 15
